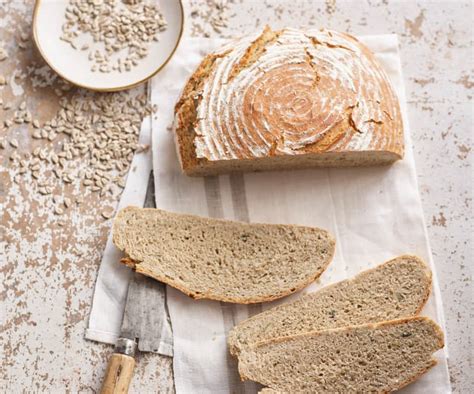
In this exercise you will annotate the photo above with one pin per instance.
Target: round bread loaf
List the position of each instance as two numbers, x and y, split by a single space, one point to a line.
288 99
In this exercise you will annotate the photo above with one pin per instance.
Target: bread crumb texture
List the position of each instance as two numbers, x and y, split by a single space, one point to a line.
220 259
375 358
398 288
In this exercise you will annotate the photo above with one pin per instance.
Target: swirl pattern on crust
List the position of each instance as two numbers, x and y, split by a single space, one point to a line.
289 93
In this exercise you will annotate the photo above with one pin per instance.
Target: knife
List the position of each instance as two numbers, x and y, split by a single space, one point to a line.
141 325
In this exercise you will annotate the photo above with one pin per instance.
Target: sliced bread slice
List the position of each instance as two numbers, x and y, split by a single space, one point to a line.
378 358
398 288
221 259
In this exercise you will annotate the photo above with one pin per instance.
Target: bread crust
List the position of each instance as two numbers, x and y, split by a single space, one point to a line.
330 149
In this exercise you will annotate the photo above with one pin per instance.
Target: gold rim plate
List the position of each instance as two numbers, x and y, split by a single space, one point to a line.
159 67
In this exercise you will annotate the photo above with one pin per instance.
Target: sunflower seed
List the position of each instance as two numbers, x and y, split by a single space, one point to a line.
3 54
120 29
67 202
107 213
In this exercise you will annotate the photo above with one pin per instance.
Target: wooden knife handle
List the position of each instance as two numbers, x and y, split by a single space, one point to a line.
120 368
118 374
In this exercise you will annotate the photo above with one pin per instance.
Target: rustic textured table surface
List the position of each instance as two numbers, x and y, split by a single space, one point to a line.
51 239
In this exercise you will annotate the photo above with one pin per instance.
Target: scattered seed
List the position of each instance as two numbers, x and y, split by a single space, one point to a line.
107 213
58 210
100 131
14 143
67 202
42 155
57 173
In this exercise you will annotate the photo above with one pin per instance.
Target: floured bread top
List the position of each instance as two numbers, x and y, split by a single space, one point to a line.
290 92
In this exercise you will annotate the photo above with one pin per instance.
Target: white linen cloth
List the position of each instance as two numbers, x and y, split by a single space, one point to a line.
374 213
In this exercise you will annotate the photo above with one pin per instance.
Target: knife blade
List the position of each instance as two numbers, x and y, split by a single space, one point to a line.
141 324
142 319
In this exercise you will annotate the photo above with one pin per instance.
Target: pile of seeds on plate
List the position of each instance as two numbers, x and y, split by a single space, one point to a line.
99 131
116 34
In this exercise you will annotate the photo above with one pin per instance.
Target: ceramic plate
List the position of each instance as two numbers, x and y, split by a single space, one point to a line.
74 66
